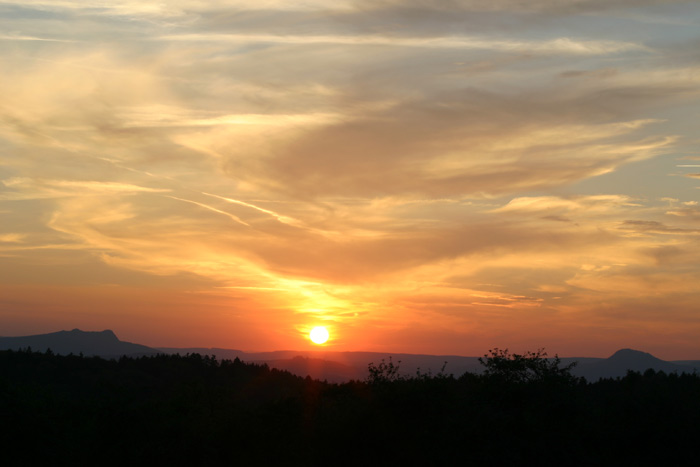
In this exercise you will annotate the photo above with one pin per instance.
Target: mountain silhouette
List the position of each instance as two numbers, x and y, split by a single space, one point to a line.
332 365
623 360
90 343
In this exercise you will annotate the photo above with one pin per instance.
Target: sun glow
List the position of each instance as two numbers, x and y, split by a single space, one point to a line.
318 335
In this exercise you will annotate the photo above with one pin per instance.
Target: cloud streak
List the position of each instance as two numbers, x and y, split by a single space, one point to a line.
562 45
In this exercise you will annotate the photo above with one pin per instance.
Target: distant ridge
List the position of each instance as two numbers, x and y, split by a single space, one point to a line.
624 360
90 343
332 365
316 368
337 367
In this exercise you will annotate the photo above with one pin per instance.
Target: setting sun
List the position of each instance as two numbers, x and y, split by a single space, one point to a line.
318 335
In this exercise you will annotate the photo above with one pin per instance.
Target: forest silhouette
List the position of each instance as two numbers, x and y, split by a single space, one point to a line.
197 410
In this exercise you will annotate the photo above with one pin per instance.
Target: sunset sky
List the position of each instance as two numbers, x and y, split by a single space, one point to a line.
418 176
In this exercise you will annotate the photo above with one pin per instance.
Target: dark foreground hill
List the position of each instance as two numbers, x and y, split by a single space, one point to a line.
193 410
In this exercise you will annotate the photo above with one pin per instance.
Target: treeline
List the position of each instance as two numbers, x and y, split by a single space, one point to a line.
194 410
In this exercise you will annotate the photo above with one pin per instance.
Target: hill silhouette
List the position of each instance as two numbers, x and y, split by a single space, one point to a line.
622 361
332 366
91 343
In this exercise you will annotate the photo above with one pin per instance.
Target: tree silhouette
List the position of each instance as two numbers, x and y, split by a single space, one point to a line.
530 367
384 372
521 410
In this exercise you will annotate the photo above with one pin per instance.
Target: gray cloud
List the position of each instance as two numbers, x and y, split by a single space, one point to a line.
400 149
656 228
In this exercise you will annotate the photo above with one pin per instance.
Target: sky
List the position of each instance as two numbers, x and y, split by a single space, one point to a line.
417 176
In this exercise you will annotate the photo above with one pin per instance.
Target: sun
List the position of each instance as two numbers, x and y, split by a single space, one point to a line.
318 335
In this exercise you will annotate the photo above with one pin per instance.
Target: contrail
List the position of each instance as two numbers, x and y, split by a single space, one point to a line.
283 219
235 218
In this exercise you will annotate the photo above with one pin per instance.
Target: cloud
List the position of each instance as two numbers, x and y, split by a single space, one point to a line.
27 188
281 218
210 208
665 254
16 37
560 45
691 212
557 218
12 238
509 5
655 227
467 143
540 204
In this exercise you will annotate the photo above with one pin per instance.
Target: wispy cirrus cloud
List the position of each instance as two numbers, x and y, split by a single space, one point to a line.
18 37
26 188
12 238
563 45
